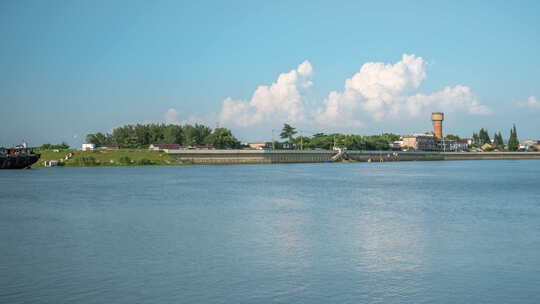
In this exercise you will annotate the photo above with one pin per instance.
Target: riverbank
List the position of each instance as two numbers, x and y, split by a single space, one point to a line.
140 157
107 158
315 156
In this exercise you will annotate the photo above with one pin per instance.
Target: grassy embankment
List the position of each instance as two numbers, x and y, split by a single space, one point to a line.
131 157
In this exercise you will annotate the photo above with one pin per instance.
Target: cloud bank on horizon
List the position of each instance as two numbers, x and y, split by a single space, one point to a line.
172 116
378 91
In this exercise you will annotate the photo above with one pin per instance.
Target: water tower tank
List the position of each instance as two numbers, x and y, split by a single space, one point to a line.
437 119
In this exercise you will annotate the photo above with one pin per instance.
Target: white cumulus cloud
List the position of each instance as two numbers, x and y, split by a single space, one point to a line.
450 99
531 103
281 101
171 116
379 91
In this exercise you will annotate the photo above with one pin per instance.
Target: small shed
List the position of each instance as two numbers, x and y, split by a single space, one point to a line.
86 147
51 163
160 147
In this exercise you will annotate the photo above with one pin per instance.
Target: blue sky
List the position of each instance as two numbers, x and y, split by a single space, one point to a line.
69 68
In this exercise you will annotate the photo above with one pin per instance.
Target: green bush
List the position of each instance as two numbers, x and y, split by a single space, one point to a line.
87 161
125 160
62 146
144 161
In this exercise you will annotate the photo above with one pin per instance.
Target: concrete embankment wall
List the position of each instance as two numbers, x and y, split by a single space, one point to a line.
491 155
251 156
426 156
315 156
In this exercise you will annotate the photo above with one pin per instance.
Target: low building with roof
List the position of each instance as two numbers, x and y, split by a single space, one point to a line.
86 147
530 145
428 142
160 147
260 145
421 142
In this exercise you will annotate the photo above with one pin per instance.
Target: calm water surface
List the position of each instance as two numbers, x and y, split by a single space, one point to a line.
412 232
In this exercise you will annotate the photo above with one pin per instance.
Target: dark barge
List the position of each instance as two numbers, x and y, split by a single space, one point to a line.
17 158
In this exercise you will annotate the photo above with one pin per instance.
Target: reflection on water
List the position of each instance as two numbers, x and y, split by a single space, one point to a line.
387 242
419 232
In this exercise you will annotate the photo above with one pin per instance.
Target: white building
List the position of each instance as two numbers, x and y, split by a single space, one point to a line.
51 163
397 145
86 147
161 147
530 144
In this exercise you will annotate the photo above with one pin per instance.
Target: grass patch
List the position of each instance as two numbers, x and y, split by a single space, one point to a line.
123 157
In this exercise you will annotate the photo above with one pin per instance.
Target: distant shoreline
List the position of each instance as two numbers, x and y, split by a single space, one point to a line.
317 156
140 157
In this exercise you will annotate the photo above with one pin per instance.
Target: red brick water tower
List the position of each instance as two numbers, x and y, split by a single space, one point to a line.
437 119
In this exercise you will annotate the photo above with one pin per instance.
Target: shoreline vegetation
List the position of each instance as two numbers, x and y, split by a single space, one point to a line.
106 158
140 157
129 146
141 136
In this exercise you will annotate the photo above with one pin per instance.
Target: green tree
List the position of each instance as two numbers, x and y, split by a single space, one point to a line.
353 142
476 139
484 137
137 136
350 141
390 137
99 139
60 146
498 140
131 142
142 135
452 137
122 134
288 132
196 135
513 142
173 134
321 141
376 142
155 135
222 138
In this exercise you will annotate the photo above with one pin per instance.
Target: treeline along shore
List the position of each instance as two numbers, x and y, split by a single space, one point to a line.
129 146
141 136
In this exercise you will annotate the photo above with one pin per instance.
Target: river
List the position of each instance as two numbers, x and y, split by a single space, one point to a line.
403 232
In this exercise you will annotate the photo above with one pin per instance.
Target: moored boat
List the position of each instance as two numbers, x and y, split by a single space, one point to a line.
17 158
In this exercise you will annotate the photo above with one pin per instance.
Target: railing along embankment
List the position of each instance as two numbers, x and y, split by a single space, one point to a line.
315 156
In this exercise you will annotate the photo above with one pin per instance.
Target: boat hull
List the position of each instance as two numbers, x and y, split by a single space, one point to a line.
18 161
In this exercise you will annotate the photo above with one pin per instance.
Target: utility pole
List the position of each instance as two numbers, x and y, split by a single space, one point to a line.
444 146
273 141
